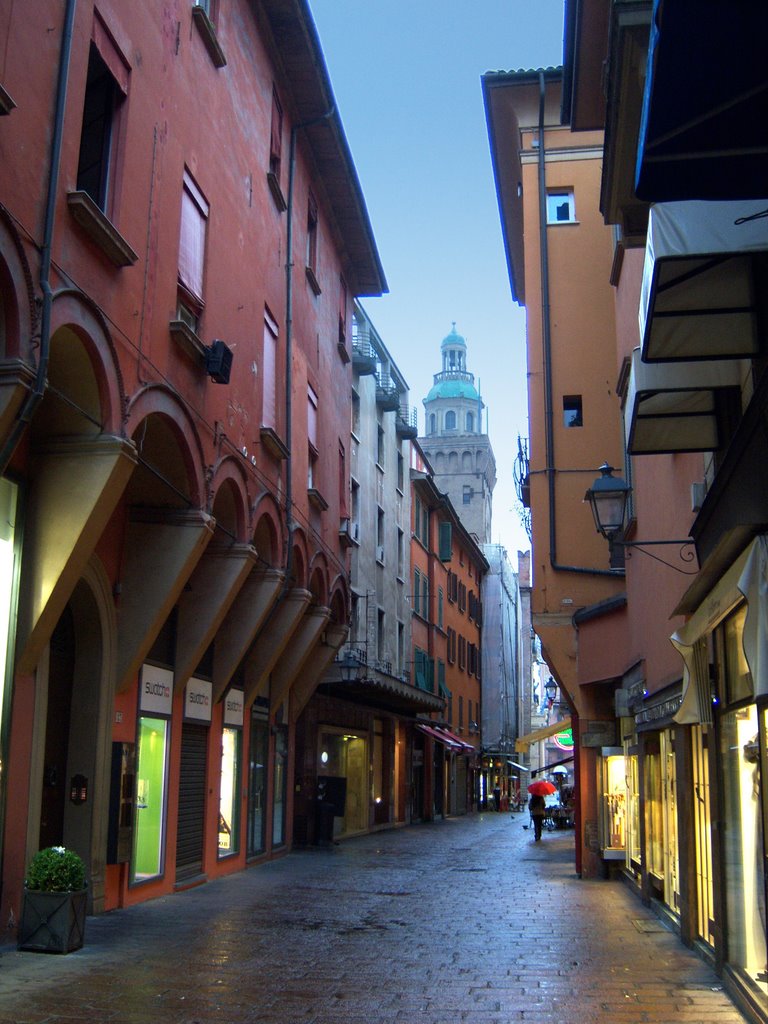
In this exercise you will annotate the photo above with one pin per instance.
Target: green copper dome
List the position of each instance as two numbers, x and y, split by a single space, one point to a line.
453 339
453 389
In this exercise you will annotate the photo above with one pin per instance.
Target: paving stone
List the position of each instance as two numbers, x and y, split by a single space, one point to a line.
457 921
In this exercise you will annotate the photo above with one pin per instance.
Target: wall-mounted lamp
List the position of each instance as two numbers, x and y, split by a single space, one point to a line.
608 498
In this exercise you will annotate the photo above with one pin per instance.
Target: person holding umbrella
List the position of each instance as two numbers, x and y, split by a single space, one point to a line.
536 804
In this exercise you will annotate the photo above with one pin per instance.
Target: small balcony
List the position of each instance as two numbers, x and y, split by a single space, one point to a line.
406 422
387 395
364 359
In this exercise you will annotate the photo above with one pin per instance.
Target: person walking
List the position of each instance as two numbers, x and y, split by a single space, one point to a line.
538 809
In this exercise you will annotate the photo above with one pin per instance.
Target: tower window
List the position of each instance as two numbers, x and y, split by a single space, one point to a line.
450 420
572 413
432 423
470 423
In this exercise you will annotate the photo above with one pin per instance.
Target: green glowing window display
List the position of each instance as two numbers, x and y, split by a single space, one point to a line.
150 798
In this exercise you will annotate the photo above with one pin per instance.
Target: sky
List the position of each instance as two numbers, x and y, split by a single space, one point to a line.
406 76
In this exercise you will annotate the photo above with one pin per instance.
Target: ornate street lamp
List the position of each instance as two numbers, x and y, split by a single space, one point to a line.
608 497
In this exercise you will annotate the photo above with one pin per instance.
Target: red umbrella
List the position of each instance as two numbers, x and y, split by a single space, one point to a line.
541 787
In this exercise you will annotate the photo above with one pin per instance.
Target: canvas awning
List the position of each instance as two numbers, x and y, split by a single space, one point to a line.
702 280
690 639
704 125
676 407
523 742
428 730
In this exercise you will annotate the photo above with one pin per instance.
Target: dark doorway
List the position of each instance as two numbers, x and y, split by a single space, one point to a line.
60 678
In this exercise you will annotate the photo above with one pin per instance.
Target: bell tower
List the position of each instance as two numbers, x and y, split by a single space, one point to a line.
454 442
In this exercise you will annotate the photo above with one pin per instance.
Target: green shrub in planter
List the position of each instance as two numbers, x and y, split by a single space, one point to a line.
56 869
53 909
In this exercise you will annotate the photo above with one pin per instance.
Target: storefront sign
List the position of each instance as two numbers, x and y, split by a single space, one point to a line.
234 704
564 739
156 690
197 700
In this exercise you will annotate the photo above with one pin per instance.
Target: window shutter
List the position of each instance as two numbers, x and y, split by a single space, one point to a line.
445 542
276 132
269 378
312 417
194 210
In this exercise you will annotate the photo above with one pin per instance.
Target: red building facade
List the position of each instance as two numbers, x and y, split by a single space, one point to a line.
181 234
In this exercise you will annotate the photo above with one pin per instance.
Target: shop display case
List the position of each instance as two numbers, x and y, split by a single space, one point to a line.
613 803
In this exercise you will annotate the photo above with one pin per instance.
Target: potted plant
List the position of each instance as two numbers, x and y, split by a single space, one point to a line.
53 909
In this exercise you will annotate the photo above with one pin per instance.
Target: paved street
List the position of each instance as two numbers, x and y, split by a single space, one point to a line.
463 920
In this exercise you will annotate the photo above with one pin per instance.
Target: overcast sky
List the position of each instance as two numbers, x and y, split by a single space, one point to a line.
406 74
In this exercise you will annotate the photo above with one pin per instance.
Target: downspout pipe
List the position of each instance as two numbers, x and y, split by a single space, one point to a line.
35 396
546 326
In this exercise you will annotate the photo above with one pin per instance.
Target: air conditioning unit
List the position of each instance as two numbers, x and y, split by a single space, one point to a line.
380 553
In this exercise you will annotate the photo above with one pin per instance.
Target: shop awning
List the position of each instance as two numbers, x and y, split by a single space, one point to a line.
704 127
753 584
690 642
554 764
523 742
439 736
467 747
700 289
674 407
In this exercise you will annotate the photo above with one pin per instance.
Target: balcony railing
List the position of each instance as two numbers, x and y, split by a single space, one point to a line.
406 422
387 395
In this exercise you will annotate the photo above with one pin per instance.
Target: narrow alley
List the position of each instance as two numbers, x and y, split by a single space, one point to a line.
462 920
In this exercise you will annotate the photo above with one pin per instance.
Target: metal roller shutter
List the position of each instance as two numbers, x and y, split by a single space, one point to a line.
189 841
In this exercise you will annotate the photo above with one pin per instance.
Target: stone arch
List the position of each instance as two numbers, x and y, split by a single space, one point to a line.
466 462
229 500
18 318
432 423
299 560
453 462
439 461
171 464
88 688
318 580
85 395
339 601
267 533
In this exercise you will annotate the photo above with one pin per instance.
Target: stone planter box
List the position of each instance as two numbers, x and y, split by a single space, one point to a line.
52 922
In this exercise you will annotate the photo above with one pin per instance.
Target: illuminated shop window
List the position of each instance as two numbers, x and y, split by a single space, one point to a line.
229 795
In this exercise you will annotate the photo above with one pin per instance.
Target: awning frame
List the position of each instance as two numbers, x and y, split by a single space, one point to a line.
523 743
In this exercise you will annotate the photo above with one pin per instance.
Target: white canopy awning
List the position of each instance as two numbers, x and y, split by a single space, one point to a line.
747 578
699 293
672 407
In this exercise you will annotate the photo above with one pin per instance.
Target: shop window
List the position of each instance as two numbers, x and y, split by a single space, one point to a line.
705 914
280 787
743 845
151 772
229 794
738 680
257 780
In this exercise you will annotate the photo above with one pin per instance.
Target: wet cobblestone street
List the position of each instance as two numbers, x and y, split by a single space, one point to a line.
461 920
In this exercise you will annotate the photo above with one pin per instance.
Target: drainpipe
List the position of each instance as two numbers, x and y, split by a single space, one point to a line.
549 432
35 396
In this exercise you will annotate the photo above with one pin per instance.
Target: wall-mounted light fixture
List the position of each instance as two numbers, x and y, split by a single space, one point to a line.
608 498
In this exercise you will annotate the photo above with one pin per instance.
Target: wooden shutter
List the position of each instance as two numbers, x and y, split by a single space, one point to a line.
444 545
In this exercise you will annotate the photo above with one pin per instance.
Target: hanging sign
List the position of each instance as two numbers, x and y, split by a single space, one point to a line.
156 690
564 739
197 700
234 703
